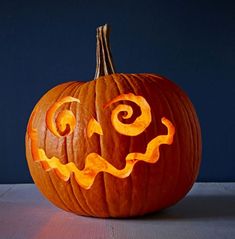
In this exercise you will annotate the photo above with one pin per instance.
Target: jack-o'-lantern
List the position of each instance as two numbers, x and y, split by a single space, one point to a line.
120 145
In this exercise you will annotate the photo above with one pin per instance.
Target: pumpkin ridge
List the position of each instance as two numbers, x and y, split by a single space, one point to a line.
44 143
148 190
75 95
110 94
76 89
139 77
195 129
106 177
152 79
129 179
73 182
165 104
84 89
97 116
127 77
72 93
178 150
60 95
187 118
80 95
76 197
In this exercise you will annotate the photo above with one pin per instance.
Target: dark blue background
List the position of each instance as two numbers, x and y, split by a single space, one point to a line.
46 43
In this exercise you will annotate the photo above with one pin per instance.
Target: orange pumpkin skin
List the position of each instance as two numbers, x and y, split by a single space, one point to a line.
150 187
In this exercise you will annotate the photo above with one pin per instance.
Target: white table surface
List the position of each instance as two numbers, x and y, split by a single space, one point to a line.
208 211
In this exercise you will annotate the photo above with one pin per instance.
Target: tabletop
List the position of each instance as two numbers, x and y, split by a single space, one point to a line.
208 211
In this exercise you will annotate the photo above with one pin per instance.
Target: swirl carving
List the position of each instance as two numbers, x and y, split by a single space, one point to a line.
139 124
65 121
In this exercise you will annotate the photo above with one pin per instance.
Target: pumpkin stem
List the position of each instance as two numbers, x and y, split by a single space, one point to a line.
104 63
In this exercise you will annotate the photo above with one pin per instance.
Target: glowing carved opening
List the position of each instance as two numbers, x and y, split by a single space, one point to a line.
93 127
94 163
140 123
65 122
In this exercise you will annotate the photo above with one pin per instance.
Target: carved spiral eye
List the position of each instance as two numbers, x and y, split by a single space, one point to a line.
140 123
65 121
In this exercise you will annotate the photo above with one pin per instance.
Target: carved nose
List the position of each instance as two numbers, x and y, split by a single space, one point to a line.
94 127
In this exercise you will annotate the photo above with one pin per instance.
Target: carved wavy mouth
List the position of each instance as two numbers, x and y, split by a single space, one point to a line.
95 163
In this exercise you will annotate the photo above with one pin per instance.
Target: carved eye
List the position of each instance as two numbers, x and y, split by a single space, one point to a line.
139 124
65 121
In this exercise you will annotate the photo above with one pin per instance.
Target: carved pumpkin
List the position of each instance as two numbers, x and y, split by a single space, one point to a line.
118 146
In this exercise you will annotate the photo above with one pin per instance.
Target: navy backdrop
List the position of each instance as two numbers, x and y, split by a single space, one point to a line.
46 43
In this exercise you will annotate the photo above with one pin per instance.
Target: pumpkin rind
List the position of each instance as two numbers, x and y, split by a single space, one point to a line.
150 187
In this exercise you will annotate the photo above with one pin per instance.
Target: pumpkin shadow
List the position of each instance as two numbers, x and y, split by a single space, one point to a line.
198 207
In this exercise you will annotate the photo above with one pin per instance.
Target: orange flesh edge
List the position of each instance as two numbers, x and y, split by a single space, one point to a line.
94 127
94 163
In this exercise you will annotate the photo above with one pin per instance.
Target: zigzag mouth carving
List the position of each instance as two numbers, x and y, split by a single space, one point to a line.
95 163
